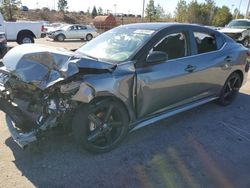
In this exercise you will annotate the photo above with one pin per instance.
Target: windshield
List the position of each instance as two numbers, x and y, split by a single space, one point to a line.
65 27
239 24
116 45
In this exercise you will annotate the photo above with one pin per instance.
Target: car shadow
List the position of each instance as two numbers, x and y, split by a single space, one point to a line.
205 146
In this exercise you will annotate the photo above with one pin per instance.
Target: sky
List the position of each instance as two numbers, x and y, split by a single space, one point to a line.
125 6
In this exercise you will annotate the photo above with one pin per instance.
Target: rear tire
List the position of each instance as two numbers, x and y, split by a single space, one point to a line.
25 39
89 37
230 90
100 127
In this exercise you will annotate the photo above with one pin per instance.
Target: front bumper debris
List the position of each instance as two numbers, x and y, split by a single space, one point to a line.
22 139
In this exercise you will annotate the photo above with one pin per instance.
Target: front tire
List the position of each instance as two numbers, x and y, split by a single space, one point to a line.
101 126
60 38
230 90
246 42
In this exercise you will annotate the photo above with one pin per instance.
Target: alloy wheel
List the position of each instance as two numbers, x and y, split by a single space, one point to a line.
26 40
231 88
105 125
246 42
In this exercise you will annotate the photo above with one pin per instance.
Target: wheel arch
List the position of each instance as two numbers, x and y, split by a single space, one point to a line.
61 34
111 96
89 34
25 32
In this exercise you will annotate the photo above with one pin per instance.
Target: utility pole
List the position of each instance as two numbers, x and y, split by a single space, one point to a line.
247 9
115 5
143 9
239 9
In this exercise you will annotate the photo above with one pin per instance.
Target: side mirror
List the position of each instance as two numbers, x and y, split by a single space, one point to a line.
156 56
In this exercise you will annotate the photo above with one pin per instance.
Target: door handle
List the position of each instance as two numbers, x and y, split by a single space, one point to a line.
190 68
228 59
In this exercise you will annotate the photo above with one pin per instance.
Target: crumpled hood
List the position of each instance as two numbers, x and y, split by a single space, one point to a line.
43 54
45 66
232 30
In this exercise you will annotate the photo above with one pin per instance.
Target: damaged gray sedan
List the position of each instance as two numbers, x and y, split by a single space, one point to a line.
125 79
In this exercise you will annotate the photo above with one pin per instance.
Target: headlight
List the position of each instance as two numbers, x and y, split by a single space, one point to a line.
238 35
2 35
3 39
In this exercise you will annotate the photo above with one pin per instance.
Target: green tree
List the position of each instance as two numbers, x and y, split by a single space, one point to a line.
62 5
100 11
222 16
94 12
159 12
9 8
209 11
88 12
153 12
181 11
194 12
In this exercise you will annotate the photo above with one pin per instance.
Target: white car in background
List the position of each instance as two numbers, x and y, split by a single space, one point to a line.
21 31
239 30
76 31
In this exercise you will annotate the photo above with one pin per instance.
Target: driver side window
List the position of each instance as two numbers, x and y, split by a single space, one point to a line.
73 28
175 45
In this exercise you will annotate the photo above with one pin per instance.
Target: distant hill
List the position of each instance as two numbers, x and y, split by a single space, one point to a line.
72 17
53 16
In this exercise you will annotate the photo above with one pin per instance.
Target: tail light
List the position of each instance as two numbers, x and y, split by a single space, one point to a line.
248 55
3 39
248 62
42 28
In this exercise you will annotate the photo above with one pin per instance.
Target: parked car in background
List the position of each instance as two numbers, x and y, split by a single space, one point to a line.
124 79
83 32
48 28
21 31
3 45
239 30
24 8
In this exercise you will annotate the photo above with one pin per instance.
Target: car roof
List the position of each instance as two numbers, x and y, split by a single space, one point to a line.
78 25
241 20
164 25
149 26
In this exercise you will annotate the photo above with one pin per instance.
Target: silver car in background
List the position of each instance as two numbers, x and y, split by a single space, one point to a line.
77 31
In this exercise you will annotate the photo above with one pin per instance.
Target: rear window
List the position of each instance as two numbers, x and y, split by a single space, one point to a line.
239 24
205 42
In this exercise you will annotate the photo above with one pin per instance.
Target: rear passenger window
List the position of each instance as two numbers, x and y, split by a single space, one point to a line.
205 42
82 27
175 45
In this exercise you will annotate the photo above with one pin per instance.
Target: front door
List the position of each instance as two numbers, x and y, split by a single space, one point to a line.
72 33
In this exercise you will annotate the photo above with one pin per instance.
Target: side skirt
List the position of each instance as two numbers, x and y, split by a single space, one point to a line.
163 115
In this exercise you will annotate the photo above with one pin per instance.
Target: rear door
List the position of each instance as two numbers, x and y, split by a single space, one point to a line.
211 62
82 31
169 84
